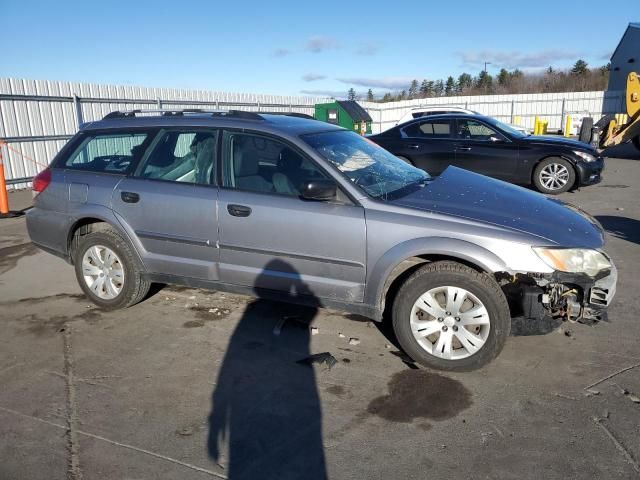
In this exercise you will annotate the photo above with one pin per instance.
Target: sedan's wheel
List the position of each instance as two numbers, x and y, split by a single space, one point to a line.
451 317
108 270
554 175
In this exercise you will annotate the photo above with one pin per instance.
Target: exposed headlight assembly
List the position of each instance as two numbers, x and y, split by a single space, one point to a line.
573 260
587 157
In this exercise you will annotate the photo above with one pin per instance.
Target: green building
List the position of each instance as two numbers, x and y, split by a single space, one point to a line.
346 113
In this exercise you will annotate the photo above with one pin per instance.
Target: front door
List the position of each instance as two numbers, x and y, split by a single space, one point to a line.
169 204
480 148
272 239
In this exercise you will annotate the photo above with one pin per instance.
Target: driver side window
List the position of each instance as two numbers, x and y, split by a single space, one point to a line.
474 130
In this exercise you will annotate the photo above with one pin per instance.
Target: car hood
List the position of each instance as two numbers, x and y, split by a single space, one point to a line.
559 141
468 195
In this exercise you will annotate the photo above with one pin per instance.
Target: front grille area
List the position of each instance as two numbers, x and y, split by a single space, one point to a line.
599 296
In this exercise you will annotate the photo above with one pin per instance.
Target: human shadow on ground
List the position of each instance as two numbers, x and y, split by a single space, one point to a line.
621 227
265 406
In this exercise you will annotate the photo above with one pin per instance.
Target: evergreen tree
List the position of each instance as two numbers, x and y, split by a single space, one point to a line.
550 70
580 68
503 77
387 97
424 88
351 94
484 81
413 89
464 82
370 95
438 88
450 86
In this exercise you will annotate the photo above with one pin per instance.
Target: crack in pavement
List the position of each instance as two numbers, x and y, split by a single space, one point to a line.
73 472
118 444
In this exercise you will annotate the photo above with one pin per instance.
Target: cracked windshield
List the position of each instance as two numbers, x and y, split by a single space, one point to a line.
380 174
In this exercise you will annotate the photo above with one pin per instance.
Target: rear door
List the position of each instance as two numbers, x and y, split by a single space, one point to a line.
481 148
429 144
272 239
169 204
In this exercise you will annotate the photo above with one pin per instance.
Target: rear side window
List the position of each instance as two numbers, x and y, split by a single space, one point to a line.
428 129
108 152
186 156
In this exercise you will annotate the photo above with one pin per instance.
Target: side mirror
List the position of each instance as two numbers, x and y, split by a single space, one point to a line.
323 190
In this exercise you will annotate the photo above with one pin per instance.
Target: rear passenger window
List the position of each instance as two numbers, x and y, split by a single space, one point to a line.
111 153
428 129
186 156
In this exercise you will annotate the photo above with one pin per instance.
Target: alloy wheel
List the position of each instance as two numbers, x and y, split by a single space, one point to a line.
554 176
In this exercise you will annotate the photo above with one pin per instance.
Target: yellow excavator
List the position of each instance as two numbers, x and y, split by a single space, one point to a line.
611 132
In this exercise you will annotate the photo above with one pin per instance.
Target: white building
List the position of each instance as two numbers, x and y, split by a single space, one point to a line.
625 58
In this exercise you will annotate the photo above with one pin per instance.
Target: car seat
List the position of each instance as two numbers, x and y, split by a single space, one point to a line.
246 168
288 178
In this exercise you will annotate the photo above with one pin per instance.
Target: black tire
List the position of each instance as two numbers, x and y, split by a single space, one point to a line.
585 130
636 141
537 181
448 273
134 286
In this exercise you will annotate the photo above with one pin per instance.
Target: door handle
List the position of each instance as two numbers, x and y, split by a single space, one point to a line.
129 197
238 210
464 149
415 146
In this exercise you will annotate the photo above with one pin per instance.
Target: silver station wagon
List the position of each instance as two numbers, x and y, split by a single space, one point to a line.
293 209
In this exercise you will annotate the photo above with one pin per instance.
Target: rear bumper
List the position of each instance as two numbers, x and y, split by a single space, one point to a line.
589 173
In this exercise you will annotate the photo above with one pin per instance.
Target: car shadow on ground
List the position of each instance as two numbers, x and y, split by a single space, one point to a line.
265 406
621 227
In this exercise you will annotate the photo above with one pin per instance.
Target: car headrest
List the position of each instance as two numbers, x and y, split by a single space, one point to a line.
244 163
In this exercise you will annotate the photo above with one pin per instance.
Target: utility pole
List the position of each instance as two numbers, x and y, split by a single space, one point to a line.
485 66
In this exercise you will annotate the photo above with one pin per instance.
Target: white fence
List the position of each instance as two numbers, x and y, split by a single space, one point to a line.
521 108
37 117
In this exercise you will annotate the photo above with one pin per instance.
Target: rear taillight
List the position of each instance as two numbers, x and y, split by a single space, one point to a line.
41 181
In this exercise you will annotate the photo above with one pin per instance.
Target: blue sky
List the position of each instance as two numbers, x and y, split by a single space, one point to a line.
292 48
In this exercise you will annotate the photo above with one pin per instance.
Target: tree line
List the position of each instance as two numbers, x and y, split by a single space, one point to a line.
579 78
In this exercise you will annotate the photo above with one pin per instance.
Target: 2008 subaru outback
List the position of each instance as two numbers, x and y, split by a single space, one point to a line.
251 202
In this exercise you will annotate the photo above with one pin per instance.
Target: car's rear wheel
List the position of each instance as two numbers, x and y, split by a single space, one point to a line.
108 271
554 175
449 316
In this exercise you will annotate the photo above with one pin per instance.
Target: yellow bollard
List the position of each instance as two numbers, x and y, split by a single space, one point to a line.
4 198
536 126
543 127
567 127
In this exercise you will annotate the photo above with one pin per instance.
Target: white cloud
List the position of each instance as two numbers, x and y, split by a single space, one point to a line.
325 93
389 83
312 77
516 59
319 44
281 52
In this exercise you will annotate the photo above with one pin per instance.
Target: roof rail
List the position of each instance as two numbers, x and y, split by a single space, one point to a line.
175 113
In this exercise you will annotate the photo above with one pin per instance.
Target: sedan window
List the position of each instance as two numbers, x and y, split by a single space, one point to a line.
474 130
428 129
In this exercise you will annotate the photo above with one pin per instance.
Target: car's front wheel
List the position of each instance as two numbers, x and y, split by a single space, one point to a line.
449 316
108 271
554 175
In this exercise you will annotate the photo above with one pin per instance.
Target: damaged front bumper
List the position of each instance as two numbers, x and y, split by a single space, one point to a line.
576 297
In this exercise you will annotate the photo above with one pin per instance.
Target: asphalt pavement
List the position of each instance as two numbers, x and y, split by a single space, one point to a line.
195 384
